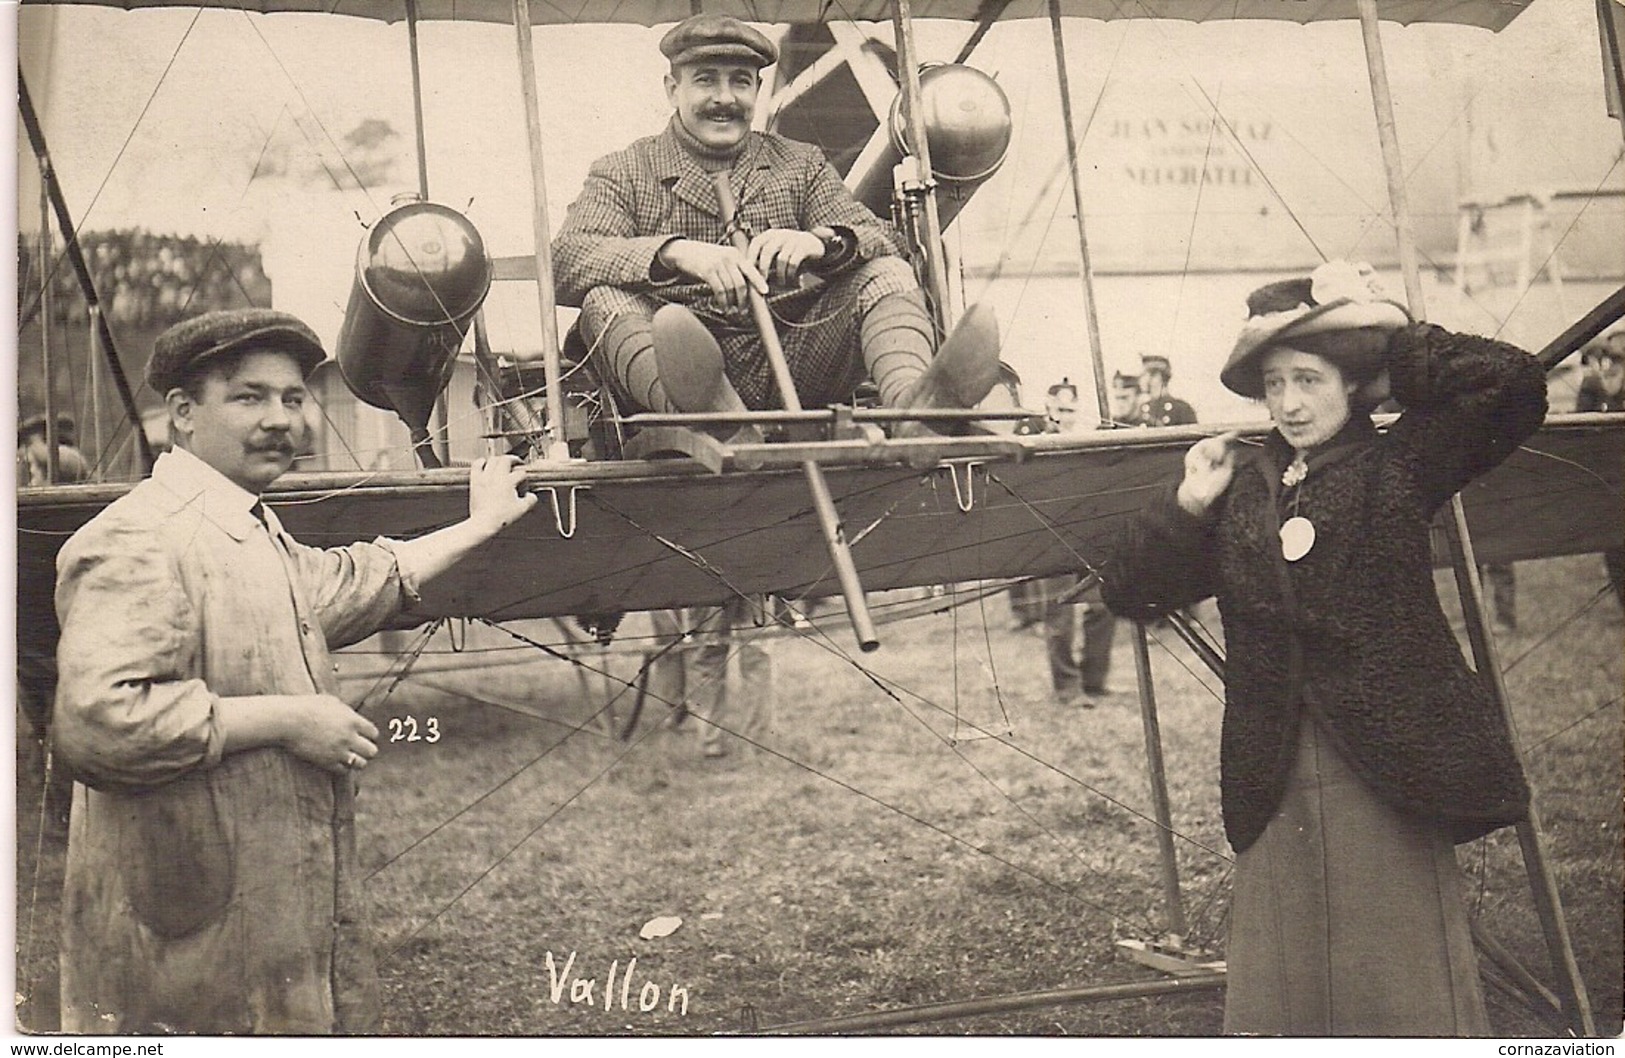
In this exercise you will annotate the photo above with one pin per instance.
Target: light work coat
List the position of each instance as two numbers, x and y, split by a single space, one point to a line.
204 892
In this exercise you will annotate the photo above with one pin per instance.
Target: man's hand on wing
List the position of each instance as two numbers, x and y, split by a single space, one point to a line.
728 273
496 496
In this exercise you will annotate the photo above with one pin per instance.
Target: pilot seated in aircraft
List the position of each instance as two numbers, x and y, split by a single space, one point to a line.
646 232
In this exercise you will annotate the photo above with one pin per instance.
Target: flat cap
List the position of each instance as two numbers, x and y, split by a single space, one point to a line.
181 347
66 428
713 36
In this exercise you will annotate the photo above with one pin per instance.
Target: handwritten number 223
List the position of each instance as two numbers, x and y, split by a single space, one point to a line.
405 729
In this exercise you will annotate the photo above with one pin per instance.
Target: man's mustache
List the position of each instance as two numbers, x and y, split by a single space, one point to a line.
281 446
723 113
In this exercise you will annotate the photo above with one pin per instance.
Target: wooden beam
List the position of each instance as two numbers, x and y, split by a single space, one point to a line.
1158 775
558 448
1542 883
1587 327
53 468
417 100
1091 315
908 70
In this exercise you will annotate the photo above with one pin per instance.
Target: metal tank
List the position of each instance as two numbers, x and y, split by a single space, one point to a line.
421 274
968 127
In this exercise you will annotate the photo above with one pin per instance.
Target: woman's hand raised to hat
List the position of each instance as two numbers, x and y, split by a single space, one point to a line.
496 496
1209 465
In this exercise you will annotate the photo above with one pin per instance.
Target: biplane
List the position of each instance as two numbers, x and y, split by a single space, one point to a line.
646 512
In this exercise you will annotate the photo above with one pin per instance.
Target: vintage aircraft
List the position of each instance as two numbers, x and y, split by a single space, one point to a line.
828 504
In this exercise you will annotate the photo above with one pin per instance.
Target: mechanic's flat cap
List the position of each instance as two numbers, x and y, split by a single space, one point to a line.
176 351
712 36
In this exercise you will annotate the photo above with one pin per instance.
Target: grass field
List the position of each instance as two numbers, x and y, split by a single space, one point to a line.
930 826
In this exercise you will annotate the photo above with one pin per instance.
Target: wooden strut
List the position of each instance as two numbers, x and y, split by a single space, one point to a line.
1542 882
417 99
440 443
76 257
53 469
558 447
95 358
919 145
1584 329
1091 318
1159 787
1613 58
857 605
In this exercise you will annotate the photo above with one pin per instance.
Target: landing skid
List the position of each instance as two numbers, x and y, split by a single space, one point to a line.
1171 956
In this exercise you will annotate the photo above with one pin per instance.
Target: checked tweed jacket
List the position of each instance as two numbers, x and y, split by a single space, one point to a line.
638 199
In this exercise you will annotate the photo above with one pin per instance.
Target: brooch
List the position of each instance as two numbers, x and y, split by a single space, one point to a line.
1295 472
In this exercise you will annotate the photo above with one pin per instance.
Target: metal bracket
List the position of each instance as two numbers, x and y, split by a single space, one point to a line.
559 520
964 498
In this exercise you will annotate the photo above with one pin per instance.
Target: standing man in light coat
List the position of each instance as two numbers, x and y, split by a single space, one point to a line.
210 884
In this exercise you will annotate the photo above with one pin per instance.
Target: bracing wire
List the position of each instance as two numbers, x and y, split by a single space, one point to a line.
134 127
1546 262
300 92
1196 213
873 677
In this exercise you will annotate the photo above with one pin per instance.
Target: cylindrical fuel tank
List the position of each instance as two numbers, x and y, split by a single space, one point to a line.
421 274
968 127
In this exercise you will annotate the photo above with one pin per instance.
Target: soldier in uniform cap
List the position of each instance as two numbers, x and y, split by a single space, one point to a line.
1125 399
33 461
210 883
1604 390
646 233
1157 408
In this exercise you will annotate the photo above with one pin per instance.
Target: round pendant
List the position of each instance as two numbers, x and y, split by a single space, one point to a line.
1297 537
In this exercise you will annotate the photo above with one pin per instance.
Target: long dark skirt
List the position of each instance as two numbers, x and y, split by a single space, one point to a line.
1348 919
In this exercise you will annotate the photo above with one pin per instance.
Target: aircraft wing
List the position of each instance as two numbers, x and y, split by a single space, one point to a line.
1488 14
628 536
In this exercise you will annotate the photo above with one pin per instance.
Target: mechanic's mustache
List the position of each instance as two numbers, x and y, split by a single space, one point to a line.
723 113
279 446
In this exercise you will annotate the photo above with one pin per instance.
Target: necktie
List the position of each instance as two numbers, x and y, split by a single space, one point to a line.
258 511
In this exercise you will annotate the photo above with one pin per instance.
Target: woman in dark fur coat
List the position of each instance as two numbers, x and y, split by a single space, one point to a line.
1357 745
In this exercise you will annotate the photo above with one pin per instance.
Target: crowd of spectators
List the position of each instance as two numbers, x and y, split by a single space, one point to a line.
146 280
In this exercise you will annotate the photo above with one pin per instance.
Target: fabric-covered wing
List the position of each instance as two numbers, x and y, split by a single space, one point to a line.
1488 14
